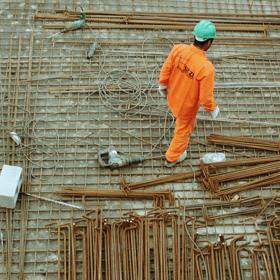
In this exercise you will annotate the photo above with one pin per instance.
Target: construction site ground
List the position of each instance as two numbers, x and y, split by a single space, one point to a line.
66 108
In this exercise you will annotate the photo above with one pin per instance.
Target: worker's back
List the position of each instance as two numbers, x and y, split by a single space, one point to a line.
190 79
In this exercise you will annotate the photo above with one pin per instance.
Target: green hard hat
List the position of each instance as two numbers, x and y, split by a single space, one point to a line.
205 29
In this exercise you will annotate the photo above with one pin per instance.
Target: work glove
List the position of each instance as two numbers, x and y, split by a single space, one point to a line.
163 90
215 113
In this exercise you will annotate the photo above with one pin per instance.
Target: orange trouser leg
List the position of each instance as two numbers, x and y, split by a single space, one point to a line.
180 141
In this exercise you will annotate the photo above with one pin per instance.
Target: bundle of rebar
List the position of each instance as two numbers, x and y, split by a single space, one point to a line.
232 163
215 182
246 206
160 20
134 247
159 197
265 181
137 247
162 180
248 142
273 237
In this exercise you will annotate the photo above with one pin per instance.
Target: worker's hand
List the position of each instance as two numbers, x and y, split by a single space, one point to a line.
163 90
215 113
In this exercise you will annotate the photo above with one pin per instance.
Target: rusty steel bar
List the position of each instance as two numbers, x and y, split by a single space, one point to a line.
137 247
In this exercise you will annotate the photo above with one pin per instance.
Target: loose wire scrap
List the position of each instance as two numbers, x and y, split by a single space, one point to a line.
46 149
25 135
120 89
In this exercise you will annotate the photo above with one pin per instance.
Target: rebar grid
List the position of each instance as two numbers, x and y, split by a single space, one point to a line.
49 96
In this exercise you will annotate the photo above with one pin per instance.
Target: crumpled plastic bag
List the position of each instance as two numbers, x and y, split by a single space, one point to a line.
213 157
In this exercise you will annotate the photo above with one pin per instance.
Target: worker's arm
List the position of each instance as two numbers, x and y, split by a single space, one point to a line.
206 92
165 73
166 68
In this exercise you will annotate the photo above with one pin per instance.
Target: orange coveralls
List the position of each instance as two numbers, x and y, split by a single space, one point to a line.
189 76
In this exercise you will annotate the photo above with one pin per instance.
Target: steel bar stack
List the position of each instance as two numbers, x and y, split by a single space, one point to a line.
259 175
160 20
245 206
135 247
247 142
159 197
162 245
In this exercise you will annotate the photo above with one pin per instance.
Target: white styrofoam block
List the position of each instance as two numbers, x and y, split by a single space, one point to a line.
10 183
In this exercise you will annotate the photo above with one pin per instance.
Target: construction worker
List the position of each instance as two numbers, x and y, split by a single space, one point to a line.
187 80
